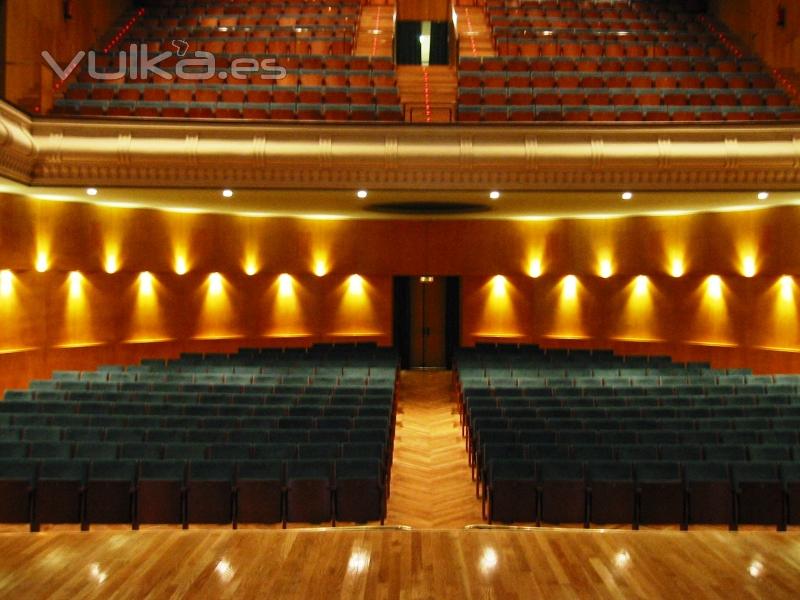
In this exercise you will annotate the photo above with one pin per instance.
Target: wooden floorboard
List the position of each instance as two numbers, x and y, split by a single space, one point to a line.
418 564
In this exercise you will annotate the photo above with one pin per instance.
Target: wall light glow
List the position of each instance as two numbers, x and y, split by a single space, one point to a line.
146 283
6 282
676 267
320 267
181 266
285 284
606 270
499 285
112 264
535 268
570 287
714 286
355 284
787 287
75 284
640 285
215 284
250 269
749 266
42 262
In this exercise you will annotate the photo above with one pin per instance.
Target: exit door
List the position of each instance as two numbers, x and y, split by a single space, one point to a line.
427 320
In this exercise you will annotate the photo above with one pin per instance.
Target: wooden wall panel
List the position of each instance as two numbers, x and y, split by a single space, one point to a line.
109 318
33 26
755 23
423 10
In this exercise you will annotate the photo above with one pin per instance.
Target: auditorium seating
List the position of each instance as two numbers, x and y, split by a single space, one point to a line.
644 60
259 436
589 437
312 42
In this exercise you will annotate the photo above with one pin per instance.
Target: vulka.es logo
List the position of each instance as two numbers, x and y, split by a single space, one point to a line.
137 64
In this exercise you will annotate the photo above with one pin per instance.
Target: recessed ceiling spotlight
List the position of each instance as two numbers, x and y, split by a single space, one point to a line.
91 191
494 195
627 195
763 195
361 194
227 193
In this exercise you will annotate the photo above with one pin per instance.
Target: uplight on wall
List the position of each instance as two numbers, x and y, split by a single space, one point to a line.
75 284
42 262
535 268
355 285
676 267
215 286
569 287
606 270
714 287
749 266
181 266
146 283
640 285
499 285
6 282
250 269
285 284
320 268
111 265
787 287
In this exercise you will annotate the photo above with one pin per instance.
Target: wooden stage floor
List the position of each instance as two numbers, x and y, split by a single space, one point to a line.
391 563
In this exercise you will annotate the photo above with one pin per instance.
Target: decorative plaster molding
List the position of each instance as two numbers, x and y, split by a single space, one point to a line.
149 154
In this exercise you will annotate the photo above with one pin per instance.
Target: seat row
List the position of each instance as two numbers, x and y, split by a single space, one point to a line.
148 415
620 81
111 61
196 491
263 385
231 395
347 376
194 450
602 492
169 9
609 65
276 112
624 114
532 388
620 99
211 98
532 47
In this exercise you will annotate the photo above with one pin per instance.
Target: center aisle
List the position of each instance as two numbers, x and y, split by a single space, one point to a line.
431 482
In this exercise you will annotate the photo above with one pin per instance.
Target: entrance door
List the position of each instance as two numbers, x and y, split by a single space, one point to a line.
427 320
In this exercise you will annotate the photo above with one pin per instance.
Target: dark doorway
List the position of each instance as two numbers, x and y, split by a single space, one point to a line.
427 317
422 43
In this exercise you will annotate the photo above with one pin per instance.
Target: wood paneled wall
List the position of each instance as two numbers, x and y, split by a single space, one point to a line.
755 22
56 319
423 10
33 26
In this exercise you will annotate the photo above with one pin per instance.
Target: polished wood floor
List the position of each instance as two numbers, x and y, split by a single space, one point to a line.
431 482
418 564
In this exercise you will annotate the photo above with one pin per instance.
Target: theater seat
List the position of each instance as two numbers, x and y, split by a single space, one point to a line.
259 492
59 492
17 479
660 490
611 492
209 491
759 494
709 493
110 489
562 492
160 493
360 491
512 488
308 491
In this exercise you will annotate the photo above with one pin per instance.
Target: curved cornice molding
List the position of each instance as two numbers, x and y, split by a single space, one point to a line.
169 154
